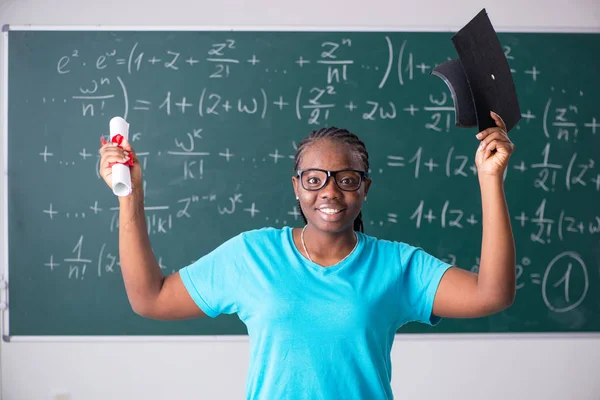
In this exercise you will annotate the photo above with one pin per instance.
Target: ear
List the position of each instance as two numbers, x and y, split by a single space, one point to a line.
295 183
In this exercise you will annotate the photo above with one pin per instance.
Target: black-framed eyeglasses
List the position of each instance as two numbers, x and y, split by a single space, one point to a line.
348 180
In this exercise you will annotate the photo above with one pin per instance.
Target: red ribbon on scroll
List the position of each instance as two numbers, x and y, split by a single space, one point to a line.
118 139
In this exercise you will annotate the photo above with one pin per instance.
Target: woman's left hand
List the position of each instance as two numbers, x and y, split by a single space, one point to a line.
494 150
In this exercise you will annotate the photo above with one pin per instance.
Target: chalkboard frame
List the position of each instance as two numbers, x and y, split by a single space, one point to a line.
4 100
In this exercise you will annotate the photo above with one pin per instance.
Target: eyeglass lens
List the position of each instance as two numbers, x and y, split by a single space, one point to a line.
315 179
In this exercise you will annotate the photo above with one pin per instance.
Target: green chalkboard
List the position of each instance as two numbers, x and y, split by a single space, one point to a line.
215 117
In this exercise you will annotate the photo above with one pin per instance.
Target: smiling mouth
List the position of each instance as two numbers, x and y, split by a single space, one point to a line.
331 211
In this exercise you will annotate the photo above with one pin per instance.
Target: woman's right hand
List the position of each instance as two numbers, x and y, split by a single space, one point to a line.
110 154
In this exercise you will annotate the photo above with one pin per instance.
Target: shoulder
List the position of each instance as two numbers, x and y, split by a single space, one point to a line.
266 238
264 234
387 246
392 252
249 245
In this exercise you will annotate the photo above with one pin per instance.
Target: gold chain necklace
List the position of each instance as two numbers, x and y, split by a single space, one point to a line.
308 255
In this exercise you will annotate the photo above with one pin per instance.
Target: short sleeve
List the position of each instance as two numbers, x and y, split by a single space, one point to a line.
422 275
213 280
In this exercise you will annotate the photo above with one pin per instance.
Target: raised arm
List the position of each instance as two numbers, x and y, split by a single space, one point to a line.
150 294
463 294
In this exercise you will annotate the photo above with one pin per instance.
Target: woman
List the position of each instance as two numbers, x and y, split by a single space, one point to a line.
322 304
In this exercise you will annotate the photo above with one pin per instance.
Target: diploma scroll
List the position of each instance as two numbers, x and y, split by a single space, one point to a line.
121 176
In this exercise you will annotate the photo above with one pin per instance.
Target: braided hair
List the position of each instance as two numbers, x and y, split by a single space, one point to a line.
341 136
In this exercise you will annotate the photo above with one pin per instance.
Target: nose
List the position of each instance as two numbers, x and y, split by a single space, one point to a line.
330 190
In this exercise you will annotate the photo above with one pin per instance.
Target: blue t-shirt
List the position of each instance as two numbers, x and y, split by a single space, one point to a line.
315 332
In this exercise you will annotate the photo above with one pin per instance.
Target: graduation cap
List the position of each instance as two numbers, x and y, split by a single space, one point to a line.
480 80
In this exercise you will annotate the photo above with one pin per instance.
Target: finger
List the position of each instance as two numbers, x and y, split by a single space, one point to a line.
126 145
496 135
499 121
108 147
129 150
108 160
105 145
499 146
486 132
107 166
489 149
102 140
110 150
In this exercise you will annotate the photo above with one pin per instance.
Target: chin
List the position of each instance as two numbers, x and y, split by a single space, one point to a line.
332 224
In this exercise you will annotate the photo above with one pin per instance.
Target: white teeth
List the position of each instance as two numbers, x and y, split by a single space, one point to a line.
329 211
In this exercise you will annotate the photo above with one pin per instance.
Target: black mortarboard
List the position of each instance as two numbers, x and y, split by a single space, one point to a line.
480 81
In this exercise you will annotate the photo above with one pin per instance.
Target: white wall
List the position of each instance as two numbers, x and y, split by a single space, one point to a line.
466 367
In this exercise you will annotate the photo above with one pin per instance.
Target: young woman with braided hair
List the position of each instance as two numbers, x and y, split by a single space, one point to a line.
322 303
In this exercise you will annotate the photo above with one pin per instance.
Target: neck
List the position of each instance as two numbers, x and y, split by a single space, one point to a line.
327 246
